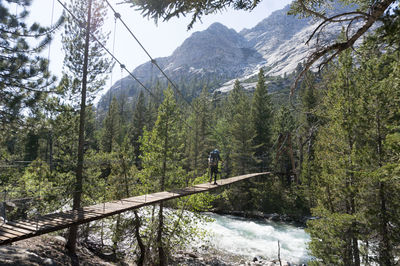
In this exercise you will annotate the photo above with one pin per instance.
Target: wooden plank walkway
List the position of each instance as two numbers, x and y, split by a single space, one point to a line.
14 231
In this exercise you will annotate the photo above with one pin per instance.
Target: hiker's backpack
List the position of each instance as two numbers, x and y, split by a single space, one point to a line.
213 159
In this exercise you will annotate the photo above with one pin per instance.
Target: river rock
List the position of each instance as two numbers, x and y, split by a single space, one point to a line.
48 262
18 256
192 255
272 216
284 262
60 239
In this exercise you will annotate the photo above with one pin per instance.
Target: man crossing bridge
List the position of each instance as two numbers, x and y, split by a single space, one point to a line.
213 160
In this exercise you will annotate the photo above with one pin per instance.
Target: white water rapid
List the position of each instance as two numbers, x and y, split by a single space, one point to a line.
251 238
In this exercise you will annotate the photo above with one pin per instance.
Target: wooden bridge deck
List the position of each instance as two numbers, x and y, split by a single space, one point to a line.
14 231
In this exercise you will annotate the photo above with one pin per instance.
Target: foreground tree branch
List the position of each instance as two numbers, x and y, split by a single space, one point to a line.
376 11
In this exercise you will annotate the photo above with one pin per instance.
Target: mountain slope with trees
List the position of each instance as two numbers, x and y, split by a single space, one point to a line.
217 56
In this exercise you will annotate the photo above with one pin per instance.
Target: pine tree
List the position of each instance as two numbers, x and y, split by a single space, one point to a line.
31 146
85 67
230 109
24 76
111 135
153 104
122 179
262 120
380 118
73 41
162 159
139 120
198 143
236 135
339 178
309 121
242 134
234 98
284 163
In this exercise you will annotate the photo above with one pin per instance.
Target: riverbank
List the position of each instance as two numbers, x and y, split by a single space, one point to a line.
47 250
213 257
50 250
231 240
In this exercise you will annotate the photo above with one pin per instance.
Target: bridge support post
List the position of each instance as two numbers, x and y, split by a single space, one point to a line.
3 207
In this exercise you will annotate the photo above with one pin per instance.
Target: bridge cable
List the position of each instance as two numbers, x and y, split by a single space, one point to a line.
123 67
51 25
107 50
111 76
117 60
153 61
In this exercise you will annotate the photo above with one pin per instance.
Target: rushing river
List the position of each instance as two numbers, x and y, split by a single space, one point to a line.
251 238
246 238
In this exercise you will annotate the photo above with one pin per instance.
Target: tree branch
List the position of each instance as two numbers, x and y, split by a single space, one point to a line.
339 47
333 19
310 11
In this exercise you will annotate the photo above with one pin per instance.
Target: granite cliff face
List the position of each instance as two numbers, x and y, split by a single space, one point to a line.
218 55
217 49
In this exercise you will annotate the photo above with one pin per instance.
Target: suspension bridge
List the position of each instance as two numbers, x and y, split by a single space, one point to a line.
12 231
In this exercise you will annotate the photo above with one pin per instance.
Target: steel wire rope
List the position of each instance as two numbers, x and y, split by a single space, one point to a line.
109 111
106 49
38 212
124 67
51 25
113 48
154 62
116 59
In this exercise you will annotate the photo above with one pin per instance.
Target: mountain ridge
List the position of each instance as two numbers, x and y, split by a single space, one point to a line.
219 55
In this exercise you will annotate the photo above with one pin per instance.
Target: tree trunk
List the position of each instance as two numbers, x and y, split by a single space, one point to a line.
51 152
73 231
196 147
292 158
161 252
142 247
117 234
385 248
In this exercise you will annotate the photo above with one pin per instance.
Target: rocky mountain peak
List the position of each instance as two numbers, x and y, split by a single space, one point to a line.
221 55
215 48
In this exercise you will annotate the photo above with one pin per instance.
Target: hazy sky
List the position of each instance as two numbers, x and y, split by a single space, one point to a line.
160 40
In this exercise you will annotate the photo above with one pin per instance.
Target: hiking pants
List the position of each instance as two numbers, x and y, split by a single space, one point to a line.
213 171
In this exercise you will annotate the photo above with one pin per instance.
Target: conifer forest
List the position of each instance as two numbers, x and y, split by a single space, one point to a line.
329 135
